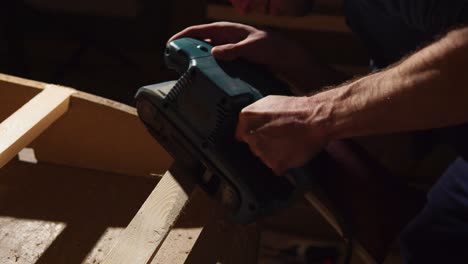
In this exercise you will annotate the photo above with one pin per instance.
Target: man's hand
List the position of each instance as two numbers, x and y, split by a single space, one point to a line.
233 40
285 132
282 56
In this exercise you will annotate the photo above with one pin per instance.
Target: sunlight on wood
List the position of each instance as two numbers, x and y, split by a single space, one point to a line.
22 241
104 245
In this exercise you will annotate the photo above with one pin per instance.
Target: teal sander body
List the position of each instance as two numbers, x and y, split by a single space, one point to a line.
195 118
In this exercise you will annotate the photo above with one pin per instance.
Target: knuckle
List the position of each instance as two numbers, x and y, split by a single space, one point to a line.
191 28
218 25
228 47
223 23
244 136
248 110
243 114
271 164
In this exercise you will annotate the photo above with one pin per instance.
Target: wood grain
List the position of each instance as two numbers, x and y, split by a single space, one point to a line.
96 133
33 118
148 229
51 214
183 236
204 234
222 241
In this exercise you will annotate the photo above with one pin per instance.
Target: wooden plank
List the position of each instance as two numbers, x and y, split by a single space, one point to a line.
204 234
324 211
177 246
301 220
183 236
22 127
309 22
148 229
59 214
278 246
15 92
360 255
223 241
96 133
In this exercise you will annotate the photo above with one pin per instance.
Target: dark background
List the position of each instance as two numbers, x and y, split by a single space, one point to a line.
111 48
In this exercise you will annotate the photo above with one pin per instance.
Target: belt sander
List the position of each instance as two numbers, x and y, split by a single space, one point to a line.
195 117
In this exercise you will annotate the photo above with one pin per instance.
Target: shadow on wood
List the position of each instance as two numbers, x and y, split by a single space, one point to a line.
87 202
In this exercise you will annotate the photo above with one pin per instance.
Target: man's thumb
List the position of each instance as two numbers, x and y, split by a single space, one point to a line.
226 52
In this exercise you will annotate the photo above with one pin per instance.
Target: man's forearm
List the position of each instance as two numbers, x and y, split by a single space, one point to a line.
428 89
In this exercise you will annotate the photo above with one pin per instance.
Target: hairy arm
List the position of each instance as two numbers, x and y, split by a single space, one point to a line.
426 90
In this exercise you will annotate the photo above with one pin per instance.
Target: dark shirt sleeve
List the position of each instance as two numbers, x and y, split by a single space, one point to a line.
429 16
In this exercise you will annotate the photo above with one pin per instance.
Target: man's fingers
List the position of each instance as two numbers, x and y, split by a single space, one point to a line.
233 51
206 31
226 52
260 147
244 131
279 170
219 32
257 147
249 121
